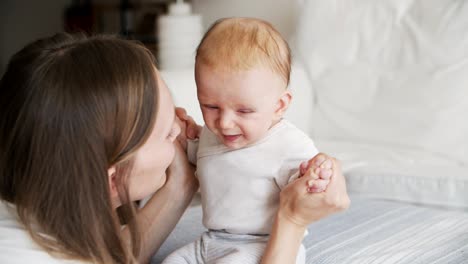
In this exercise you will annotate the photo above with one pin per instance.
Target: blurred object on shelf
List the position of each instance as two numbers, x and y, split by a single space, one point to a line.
131 20
79 17
127 19
178 33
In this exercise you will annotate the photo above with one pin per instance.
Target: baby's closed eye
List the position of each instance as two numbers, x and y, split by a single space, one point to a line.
245 111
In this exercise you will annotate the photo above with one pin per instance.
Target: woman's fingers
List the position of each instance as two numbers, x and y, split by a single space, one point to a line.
338 195
311 198
193 130
303 167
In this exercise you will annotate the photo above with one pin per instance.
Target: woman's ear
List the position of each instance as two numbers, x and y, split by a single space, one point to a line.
114 194
283 103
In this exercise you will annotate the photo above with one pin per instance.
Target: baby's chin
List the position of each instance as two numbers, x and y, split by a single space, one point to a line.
233 147
234 142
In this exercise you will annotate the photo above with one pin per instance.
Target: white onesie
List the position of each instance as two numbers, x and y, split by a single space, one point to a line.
240 188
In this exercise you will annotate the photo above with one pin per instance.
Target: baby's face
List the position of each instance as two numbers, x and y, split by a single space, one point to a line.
239 107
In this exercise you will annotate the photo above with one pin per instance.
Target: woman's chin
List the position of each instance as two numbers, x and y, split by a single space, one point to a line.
147 189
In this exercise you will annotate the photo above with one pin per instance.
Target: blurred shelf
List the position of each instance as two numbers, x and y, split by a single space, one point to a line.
130 19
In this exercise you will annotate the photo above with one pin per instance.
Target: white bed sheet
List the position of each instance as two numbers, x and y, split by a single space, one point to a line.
379 231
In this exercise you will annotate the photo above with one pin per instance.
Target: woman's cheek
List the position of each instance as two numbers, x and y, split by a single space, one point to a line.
142 186
159 182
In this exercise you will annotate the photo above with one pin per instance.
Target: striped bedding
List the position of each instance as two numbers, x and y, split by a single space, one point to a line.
377 231
371 231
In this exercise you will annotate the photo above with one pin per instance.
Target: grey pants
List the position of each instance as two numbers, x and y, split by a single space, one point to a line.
216 247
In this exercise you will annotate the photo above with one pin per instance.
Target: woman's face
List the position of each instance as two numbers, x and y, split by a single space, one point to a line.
155 156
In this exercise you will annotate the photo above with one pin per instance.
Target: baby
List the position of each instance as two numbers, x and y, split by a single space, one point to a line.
247 152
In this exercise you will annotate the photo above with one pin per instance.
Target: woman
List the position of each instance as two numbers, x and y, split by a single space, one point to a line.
87 126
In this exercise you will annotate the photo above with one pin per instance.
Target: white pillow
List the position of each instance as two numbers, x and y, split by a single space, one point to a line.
393 75
389 72
182 85
387 172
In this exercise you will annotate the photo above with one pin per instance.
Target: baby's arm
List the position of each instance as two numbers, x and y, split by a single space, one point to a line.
322 166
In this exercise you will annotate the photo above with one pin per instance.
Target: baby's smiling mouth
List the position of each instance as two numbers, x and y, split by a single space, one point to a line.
231 138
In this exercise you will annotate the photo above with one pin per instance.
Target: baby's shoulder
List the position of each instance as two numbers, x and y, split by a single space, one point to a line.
291 133
292 139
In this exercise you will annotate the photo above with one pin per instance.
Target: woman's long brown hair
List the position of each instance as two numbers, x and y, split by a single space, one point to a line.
70 108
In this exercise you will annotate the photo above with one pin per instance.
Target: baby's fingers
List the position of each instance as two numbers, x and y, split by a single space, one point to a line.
324 173
327 164
317 185
320 160
315 162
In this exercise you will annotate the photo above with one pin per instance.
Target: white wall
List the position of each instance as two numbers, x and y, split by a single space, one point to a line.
281 13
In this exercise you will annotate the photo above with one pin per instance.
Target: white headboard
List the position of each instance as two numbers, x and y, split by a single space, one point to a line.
389 72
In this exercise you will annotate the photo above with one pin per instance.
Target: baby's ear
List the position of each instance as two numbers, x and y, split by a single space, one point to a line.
283 103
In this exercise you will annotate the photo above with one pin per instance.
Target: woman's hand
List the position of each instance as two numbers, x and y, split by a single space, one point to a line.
161 213
181 173
188 128
322 166
299 207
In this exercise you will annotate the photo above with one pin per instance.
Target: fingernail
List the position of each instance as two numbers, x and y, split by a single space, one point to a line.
310 183
327 164
319 160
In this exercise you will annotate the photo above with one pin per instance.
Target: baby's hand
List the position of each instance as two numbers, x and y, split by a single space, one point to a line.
321 168
188 128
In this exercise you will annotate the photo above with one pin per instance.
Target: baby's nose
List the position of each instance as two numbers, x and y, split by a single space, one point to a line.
226 121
